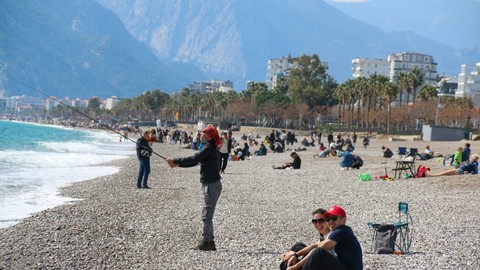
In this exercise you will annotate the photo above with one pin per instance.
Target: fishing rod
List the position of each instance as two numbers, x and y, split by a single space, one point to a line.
83 114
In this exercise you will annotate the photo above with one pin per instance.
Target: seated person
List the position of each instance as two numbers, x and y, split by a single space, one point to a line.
328 153
457 157
295 164
470 167
262 151
350 147
238 154
300 250
357 162
347 161
387 153
427 153
277 147
348 251
246 150
466 152
321 147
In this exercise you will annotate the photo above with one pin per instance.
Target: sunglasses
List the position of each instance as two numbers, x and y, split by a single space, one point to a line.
332 218
320 220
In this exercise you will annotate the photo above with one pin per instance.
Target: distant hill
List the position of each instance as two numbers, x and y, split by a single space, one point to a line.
446 21
76 49
233 39
124 47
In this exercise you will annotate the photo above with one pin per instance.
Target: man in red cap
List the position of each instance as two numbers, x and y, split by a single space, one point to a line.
209 160
342 240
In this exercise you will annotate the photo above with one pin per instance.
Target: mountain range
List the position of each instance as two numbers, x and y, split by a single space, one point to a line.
125 47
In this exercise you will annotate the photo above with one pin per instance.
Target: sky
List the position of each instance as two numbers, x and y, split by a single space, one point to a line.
447 21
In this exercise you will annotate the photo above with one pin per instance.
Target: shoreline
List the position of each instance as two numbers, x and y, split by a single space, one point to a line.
260 214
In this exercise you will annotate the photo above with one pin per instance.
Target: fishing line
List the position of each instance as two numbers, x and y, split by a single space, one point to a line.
83 114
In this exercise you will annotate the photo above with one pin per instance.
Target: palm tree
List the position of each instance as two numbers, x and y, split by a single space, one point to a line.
400 81
417 80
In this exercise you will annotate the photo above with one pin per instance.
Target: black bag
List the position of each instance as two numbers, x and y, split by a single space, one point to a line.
385 237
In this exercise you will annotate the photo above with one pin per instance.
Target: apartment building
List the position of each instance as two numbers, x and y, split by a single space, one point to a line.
469 83
364 67
277 68
210 86
407 61
397 63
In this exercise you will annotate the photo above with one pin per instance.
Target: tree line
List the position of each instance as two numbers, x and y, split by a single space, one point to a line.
308 96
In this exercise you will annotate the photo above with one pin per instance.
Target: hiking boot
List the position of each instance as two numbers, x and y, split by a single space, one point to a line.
206 246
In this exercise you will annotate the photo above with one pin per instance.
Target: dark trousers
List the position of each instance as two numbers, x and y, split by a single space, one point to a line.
297 247
223 161
321 259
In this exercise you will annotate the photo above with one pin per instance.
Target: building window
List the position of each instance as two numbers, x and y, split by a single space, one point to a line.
406 57
426 59
414 58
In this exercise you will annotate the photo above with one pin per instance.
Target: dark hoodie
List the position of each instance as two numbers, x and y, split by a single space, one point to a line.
209 159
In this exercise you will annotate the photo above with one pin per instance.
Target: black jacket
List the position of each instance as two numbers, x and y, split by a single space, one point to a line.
144 151
209 159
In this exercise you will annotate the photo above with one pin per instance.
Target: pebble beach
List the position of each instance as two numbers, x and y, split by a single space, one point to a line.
260 214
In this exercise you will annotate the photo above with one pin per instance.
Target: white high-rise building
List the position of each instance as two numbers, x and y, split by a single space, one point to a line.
406 62
277 68
364 67
469 83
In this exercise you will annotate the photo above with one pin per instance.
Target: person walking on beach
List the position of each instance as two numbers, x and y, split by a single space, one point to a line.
144 151
342 240
209 160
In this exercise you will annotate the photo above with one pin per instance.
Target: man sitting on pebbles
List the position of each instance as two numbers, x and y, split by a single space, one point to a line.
297 162
342 240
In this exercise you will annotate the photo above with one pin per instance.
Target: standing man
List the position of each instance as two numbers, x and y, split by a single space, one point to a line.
144 151
209 160
355 137
342 240
330 138
225 150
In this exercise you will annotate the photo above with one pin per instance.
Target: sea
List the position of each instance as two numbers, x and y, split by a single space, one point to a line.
36 160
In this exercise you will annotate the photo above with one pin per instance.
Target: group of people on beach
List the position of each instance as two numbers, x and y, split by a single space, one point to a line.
338 247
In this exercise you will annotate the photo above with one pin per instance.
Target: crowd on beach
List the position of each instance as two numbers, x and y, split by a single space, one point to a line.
213 149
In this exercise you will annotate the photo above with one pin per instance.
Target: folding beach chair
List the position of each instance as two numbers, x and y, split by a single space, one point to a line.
386 237
402 152
404 227
413 152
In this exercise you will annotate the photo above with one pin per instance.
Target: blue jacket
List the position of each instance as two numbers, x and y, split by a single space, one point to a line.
347 160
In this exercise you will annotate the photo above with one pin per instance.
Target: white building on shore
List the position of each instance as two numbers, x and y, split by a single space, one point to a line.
364 67
395 64
469 83
279 67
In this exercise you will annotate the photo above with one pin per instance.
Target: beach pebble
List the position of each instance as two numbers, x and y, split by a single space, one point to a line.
260 214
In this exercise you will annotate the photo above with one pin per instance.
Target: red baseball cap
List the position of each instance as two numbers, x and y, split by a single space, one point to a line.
335 211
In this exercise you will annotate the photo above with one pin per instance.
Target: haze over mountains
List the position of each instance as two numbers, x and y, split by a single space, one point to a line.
125 47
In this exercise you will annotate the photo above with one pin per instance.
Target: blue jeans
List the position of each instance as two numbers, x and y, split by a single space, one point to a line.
211 193
143 172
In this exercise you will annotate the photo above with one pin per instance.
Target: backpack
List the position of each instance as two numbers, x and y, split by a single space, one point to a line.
421 171
385 237
357 162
